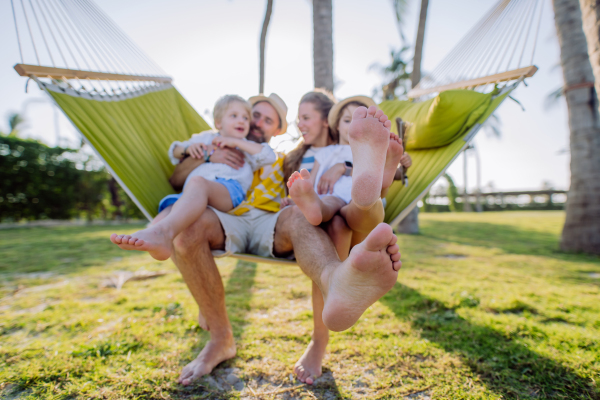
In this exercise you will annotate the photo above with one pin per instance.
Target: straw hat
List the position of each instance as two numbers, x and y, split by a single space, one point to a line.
277 103
332 118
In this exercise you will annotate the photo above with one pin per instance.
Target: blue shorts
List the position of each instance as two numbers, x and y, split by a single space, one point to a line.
233 187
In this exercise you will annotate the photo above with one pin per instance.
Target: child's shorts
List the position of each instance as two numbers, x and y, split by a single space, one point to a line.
342 189
233 187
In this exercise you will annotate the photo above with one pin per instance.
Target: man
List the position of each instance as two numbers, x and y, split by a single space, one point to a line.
257 226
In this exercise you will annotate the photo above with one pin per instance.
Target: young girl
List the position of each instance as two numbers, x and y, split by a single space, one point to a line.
210 184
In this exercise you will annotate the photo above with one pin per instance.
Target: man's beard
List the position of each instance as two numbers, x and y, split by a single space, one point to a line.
256 135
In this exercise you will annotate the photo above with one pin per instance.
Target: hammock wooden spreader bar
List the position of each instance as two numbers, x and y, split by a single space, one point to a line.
516 74
63 73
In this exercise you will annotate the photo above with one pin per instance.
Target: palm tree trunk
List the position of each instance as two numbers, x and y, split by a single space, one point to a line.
415 76
323 44
582 226
263 39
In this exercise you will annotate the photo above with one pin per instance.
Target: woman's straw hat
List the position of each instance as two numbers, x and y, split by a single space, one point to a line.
277 103
332 118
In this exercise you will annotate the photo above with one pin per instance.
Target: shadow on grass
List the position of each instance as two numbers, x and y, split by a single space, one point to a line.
506 367
64 249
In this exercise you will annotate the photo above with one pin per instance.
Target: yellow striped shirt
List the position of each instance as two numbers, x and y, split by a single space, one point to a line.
267 189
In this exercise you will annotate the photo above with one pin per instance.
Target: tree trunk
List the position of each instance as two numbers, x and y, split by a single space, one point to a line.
582 226
323 44
410 224
415 76
263 39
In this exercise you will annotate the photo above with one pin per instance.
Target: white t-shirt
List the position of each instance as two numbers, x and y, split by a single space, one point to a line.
327 157
211 170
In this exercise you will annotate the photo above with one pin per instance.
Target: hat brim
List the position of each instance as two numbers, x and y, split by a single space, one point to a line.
334 113
280 111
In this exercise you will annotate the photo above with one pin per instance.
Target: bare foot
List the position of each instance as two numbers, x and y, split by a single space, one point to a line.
152 239
202 321
392 159
214 353
308 367
369 272
303 193
369 138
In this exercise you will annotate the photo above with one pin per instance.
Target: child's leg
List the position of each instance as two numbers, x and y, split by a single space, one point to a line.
157 238
363 220
315 209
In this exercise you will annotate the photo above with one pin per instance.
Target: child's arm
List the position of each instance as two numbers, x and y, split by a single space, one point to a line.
247 146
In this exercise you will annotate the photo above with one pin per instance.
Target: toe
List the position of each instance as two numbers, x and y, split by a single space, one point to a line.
359 113
132 241
387 124
310 380
383 117
396 265
139 243
304 174
395 257
393 249
372 111
115 238
378 114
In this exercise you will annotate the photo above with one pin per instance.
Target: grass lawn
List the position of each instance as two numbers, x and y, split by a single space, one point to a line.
485 307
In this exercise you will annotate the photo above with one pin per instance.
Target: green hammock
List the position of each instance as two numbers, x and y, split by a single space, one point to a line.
126 108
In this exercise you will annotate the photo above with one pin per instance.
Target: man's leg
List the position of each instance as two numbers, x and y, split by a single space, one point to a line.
192 255
348 287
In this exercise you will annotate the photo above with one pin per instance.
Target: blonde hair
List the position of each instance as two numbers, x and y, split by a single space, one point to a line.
223 104
323 101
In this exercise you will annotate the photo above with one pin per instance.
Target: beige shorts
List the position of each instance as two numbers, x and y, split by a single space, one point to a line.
252 232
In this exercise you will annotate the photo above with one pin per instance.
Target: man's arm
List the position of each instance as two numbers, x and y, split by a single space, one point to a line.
232 157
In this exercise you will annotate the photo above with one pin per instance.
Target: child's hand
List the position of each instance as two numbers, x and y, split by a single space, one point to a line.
286 201
196 150
225 141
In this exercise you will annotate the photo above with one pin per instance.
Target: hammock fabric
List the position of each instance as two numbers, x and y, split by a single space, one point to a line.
132 134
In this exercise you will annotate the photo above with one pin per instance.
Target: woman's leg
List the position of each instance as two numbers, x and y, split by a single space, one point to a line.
157 239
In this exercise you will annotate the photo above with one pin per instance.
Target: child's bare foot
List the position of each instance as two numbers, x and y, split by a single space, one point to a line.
369 138
369 272
308 367
153 240
392 159
304 195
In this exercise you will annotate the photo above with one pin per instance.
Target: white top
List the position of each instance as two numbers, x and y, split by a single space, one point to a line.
212 171
331 155
327 158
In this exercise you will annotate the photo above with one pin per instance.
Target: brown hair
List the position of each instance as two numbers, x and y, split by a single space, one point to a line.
336 127
323 101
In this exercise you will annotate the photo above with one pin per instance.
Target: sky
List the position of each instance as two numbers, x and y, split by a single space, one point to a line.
210 48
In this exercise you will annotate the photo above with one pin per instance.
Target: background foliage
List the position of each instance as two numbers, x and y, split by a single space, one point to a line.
41 182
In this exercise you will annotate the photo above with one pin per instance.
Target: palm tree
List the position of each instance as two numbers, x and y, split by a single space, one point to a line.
263 39
395 77
581 231
323 44
415 76
14 121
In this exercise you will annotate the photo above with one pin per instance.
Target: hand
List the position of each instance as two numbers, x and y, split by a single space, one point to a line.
232 157
196 150
286 201
221 141
405 160
329 178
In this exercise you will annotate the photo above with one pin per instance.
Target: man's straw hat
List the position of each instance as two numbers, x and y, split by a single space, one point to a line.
332 118
277 103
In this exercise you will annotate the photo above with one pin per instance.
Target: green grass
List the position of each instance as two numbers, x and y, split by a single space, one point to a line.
485 307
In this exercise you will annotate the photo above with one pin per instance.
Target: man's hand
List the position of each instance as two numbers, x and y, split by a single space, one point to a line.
329 178
232 157
405 160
